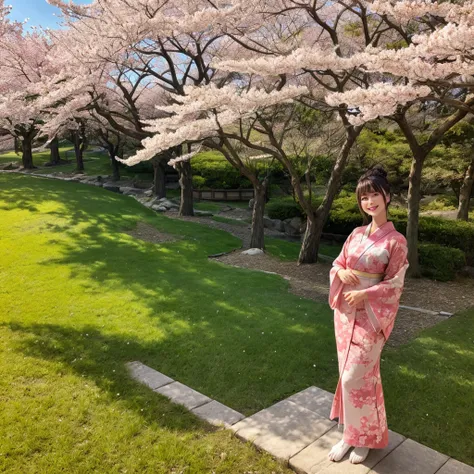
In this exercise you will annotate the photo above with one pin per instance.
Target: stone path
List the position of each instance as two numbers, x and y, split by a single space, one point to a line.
298 432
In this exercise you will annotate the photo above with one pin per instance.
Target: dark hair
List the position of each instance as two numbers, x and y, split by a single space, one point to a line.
373 180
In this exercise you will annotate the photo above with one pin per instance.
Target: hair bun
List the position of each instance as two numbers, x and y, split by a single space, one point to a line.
378 170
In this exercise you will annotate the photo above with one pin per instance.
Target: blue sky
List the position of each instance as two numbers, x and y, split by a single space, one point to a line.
38 11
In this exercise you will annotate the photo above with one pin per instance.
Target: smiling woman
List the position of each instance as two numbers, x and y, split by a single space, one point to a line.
366 284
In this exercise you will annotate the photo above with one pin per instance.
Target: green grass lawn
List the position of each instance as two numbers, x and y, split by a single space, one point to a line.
95 163
80 298
39 159
289 251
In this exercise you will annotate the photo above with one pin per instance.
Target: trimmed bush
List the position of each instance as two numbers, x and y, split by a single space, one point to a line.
218 173
439 262
283 209
457 234
199 182
441 203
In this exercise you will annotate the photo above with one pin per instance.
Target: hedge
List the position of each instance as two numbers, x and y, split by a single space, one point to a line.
439 262
345 216
283 209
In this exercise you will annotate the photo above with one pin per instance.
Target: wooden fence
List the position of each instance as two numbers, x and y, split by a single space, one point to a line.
223 194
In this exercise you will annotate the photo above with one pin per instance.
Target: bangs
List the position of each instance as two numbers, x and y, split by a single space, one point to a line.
368 186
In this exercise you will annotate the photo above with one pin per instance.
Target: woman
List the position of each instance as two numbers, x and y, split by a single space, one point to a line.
366 283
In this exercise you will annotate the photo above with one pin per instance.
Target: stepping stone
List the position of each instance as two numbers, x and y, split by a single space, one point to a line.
148 376
314 399
411 457
284 429
314 458
455 467
217 414
182 394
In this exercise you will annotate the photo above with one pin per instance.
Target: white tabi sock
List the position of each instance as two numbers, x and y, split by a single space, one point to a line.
358 455
338 451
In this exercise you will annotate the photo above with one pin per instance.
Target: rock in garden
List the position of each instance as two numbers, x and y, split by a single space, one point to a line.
127 191
253 252
268 223
293 226
251 202
159 208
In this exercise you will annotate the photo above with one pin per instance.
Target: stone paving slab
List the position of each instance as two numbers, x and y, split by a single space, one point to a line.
314 458
455 467
184 395
411 457
284 429
297 430
314 399
148 376
217 414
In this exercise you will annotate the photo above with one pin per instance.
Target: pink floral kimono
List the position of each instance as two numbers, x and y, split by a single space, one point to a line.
361 332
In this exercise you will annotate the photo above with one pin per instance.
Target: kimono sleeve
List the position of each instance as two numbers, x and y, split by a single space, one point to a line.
383 299
336 285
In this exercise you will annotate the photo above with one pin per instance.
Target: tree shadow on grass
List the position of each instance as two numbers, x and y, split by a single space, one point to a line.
101 359
229 333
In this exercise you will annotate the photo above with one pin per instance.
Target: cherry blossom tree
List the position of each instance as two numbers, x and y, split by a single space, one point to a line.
434 66
167 42
394 71
310 52
23 64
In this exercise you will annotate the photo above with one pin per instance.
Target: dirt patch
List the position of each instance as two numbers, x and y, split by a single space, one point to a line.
148 233
312 282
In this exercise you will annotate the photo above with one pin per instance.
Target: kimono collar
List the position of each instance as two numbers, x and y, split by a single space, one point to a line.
380 231
367 240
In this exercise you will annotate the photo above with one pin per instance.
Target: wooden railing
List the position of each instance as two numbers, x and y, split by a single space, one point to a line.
223 194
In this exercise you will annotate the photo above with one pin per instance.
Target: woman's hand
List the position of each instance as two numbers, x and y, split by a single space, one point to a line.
348 277
353 298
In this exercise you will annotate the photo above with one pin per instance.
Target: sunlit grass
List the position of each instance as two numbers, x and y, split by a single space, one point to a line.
80 297
289 251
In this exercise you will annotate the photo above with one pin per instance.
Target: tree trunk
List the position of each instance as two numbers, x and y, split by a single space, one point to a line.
54 156
159 183
186 207
27 155
316 220
78 151
114 163
414 197
311 239
257 237
465 193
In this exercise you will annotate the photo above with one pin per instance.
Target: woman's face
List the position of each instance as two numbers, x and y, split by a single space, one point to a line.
373 203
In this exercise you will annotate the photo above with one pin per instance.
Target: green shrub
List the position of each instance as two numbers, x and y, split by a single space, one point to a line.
283 208
440 262
441 203
457 234
218 173
344 216
199 182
